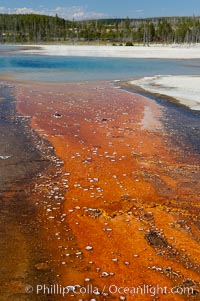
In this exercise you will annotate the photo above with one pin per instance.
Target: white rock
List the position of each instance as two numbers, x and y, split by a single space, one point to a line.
105 274
89 248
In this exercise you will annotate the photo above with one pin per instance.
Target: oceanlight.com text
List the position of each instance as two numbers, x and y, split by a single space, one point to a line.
57 289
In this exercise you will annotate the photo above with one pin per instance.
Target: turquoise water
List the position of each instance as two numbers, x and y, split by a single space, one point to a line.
55 68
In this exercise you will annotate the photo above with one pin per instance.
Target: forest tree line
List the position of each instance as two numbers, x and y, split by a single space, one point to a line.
32 28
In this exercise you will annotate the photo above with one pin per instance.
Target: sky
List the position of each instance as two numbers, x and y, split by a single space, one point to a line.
92 9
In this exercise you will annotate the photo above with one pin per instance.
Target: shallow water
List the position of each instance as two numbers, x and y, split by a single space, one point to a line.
55 68
182 123
21 242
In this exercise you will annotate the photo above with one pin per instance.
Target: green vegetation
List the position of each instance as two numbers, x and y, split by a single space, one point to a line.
33 28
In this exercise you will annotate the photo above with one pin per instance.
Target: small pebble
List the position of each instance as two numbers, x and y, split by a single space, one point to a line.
89 248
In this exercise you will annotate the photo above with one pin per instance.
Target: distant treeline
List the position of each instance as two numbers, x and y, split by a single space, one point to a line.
33 28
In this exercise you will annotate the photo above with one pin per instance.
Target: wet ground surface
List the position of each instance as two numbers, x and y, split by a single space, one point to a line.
124 206
21 238
118 201
19 157
181 122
